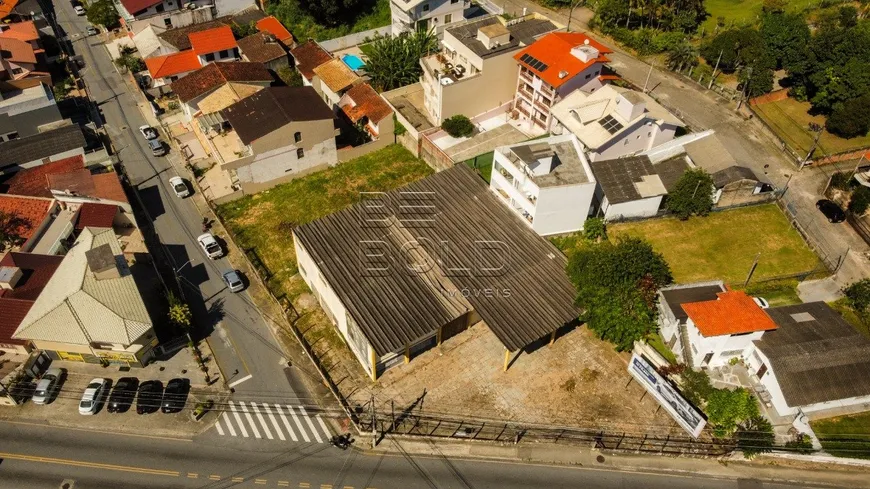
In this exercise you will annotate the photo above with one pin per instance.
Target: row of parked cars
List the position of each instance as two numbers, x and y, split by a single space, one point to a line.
148 397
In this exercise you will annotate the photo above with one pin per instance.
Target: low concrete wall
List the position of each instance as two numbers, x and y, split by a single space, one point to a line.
355 39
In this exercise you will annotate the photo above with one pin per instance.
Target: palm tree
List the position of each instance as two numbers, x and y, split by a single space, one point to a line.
684 55
395 61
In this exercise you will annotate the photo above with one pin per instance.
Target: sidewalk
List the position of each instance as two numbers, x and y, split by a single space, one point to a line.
765 468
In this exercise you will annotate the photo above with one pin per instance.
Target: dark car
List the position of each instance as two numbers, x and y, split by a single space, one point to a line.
149 398
122 395
175 395
831 210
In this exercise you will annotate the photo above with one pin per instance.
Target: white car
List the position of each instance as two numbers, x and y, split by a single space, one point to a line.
47 386
762 302
91 397
148 132
179 187
210 246
79 10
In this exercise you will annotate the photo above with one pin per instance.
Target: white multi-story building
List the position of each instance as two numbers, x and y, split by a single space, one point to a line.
408 15
548 182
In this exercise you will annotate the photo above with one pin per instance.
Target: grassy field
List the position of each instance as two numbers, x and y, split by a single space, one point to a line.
845 436
483 165
369 14
655 340
842 306
724 244
745 11
263 222
790 120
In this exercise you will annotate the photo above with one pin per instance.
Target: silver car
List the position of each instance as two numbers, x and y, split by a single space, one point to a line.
233 279
47 387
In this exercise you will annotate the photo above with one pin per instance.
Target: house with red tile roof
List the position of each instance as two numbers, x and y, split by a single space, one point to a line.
17 59
551 68
307 56
22 278
206 46
31 216
273 26
361 104
170 67
33 182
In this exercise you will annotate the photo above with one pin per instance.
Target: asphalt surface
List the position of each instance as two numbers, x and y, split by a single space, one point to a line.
238 335
39 457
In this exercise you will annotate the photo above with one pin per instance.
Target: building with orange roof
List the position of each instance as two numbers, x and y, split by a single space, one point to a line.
551 68
23 31
168 68
362 104
32 216
708 324
216 44
6 7
273 26
17 59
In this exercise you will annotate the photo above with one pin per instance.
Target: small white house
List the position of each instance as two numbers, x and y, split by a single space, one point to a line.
548 182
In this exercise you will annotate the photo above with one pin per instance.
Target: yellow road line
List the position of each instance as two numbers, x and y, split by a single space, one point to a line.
192 475
238 479
348 487
114 433
238 352
325 486
214 477
92 465
284 483
259 481
304 485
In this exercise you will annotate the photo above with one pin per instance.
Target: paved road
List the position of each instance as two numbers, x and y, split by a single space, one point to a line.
33 457
241 339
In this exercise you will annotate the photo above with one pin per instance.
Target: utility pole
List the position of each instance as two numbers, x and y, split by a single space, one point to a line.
374 425
648 75
745 88
818 129
752 269
713 76
571 13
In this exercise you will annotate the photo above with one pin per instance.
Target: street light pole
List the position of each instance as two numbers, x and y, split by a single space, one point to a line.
571 13
818 129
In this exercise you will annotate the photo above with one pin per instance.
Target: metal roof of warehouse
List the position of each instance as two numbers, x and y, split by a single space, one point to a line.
42 145
529 298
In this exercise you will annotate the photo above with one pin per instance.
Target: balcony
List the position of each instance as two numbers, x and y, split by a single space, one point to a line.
442 69
507 186
229 149
542 107
548 90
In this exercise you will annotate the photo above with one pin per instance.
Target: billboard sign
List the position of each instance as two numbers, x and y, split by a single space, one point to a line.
674 403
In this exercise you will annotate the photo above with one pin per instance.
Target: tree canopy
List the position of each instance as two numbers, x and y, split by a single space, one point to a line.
668 15
395 61
10 226
850 118
616 287
755 436
692 194
331 12
103 12
458 126
727 409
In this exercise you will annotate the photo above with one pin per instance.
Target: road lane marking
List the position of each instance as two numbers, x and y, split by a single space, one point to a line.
299 424
217 425
284 483
304 485
229 423
286 423
274 422
191 475
237 382
238 479
92 465
250 420
322 425
311 424
239 419
214 477
262 421
325 486
260 481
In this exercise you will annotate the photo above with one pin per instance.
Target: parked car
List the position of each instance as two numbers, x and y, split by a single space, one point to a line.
831 210
210 246
179 186
122 395
233 279
149 397
157 147
175 396
48 386
92 31
79 10
762 302
148 132
91 398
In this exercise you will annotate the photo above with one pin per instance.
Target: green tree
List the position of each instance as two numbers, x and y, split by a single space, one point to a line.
395 61
737 47
774 6
850 119
692 194
103 12
684 55
290 76
332 12
241 31
179 312
858 295
458 126
860 200
727 409
667 15
10 230
755 436
696 386
616 288
131 63
786 39
595 229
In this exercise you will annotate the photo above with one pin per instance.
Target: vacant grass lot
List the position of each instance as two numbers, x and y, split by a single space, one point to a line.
743 11
790 120
724 244
263 222
845 436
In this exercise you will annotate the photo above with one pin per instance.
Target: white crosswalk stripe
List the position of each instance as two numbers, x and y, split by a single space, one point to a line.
239 419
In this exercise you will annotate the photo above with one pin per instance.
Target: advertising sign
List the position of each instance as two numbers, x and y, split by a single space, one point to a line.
678 407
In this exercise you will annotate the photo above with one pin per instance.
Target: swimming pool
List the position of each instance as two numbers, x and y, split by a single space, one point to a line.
353 61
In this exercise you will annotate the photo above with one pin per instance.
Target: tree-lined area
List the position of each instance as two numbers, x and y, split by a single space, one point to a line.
328 19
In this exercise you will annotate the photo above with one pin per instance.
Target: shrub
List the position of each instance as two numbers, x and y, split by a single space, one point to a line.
800 444
849 119
458 126
290 76
594 228
840 180
858 295
755 436
692 194
860 200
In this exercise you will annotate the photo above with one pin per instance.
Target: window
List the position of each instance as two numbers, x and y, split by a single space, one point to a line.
610 124
300 153
167 22
16 71
224 54
9 137
173 78
588 75
297 136
209 57
448 18
159 8
425 7
453 1
597 72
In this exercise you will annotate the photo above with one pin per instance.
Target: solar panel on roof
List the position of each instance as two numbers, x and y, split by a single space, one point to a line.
610 124
533 62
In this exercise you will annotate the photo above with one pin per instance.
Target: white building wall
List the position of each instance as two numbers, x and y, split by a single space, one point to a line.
587 80
563 209
164 6
639 137
404 19
282 162
647 207
723 348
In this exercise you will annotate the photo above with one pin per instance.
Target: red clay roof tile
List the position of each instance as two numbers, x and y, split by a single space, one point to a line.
368 104
32 211
23 31
273 26
96 215
733 312
172 64
554 50
309 55
107 186
19 51
36 271
212 40
33 182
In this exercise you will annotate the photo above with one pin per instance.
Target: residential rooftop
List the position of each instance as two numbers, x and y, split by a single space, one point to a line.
732 312
23 31
551 162
366 103
529 298
212 40
732 174
36 270
816 355
262 47
272 108
273 26
678 295
214 75
521 32
627 179
336 75
309 55
32 212
556 57
20 101
172 64
33 181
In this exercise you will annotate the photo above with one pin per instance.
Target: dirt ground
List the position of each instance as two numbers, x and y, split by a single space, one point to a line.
579 381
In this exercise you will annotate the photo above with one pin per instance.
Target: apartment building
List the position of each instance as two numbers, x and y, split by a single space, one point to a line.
410 15
24 111
548 182
551 68
475 71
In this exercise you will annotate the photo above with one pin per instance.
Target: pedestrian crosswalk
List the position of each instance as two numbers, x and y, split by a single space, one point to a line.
266 421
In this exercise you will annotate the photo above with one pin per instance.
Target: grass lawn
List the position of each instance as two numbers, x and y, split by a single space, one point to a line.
369 14
724 244
366 49
742 11
790 120
263 221
483 165
842 306
777 292
655 340
845 436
